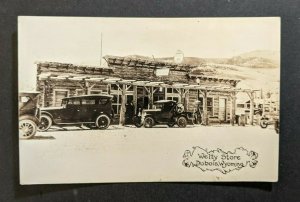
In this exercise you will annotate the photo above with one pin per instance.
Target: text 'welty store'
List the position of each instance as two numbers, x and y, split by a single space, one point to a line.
142 82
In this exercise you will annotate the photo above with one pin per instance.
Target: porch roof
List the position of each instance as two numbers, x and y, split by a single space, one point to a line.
146 63
146 83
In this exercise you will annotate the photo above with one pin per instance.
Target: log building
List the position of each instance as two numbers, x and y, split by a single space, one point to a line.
133 80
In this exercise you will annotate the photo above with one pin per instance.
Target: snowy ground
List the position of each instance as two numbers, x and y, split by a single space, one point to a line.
132 154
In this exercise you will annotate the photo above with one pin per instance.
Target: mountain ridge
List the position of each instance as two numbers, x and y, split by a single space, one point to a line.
253 59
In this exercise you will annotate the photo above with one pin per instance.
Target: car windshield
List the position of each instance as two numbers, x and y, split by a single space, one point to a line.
164 106
64 103
158 106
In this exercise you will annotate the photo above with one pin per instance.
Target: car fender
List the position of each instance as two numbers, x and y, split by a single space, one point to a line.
103 113
47 113
33 118
148 115
180 115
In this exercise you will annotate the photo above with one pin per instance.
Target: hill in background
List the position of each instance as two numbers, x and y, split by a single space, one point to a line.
257 69
254 59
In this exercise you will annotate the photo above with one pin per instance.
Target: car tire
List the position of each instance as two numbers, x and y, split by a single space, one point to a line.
179 108
27 127
263 123
182 122
148 122
171 125
102 122
45 122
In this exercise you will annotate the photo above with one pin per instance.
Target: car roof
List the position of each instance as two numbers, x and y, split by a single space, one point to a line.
165 101
89 96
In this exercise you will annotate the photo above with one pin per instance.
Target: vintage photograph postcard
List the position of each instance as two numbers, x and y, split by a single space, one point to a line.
148 99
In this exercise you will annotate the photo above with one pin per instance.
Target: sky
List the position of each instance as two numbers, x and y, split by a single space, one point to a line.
77 40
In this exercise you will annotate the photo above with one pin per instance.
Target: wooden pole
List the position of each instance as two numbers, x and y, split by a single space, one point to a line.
251 96
251 108
233 108
186 97
181 96
151 97
123 106
109 89
135 98
205 115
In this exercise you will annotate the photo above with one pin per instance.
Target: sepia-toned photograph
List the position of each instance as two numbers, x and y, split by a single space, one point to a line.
105 100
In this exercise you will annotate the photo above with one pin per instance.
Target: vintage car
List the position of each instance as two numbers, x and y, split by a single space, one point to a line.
29 114
88 110
166 112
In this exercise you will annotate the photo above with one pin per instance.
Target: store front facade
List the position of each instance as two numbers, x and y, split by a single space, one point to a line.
141 82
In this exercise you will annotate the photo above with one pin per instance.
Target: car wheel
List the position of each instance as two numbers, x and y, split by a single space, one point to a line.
148 122
102 122
263 123
45 123
27 128
171 124
182 122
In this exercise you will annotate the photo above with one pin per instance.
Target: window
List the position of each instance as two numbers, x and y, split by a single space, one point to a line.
74 102
209 105
240 105
88 101
95 92
79 92
172 94
58 96
172 90
117 96
116 103
158 106
104 101
157 97
129 98
159 94
174 98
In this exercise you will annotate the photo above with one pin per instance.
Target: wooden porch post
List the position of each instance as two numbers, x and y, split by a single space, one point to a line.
86 87
181 96
233 108
186 97
109 89
251 108
135 98
251 96
44 94
144 95
150 96
205 115
123 106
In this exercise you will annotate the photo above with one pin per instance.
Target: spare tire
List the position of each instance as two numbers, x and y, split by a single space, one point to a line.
179 108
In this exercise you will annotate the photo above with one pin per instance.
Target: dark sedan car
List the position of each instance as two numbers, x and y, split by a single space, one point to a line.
89 110
166 112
